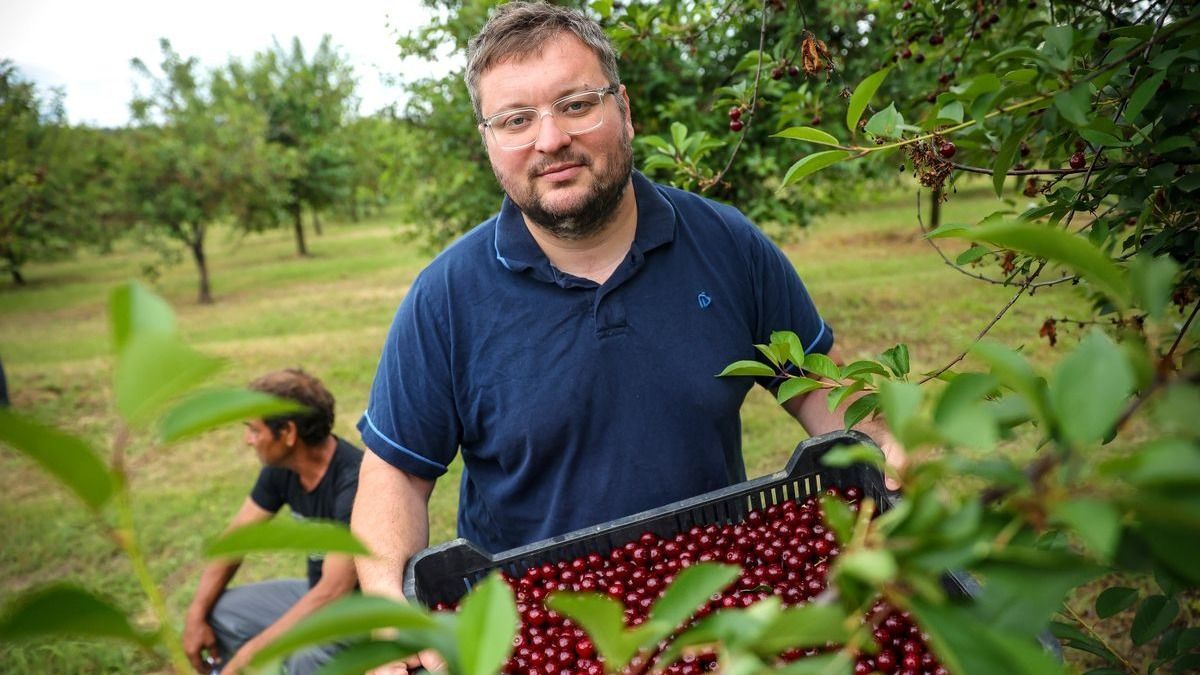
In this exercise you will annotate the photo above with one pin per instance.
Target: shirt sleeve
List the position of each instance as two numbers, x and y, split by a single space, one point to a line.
783 301
268 490
411 420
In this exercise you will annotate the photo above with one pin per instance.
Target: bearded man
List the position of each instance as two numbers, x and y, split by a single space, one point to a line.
568 345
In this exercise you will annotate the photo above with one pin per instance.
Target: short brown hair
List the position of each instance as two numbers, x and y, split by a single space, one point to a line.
521 29
312 425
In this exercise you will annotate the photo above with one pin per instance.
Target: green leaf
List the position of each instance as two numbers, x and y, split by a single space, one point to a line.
873 567
153 369
972 254
1098 524
1075 105
1021 594
837 663
804 626
1006 155
808 134
752 368
885 122
813 163
603 619
1021 75
135 310
862 95
602 8
795 386
1059 246
978 86
1072 637
350 617
1152 280
63 609
838 395
69 459
822 366
691 589
1113 601
487 622
896 359
363 657
207 410
793 349
1167 462
1153 617
859 410
1143 95
901 403
1059 41
837 513
678 134
952 111
286 534
1091 387
961 415
1014 372
847 455
966 644
860 368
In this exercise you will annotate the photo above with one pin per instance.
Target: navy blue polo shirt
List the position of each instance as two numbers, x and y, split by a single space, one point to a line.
575 403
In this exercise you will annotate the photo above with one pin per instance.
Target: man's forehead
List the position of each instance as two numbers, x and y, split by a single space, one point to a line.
506 81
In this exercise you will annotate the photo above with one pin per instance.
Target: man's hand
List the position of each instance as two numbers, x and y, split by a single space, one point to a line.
198 638
428 659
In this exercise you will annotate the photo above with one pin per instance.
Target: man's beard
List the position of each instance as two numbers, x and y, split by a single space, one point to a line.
596 208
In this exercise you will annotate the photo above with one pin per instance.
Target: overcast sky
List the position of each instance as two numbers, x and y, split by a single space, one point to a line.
85 46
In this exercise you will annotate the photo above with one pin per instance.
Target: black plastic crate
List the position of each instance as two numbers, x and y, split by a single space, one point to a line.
444 573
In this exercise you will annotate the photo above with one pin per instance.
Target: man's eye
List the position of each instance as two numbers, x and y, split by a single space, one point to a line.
515 122
576 107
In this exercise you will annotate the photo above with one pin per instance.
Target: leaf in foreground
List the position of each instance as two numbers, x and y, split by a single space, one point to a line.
69 459
487 622
210 409
285 534
347 618
66 610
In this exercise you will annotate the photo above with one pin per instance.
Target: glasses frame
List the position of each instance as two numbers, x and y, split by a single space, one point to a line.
487 121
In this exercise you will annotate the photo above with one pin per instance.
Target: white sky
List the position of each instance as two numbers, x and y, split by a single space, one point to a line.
85 46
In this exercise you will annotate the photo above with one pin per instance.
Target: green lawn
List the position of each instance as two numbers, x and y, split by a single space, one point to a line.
877 282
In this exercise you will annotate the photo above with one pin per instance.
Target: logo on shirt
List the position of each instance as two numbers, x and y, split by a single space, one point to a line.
704 300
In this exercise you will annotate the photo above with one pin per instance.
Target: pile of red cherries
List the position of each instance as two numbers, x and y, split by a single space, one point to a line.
785 550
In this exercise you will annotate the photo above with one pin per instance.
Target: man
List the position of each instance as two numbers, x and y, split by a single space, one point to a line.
316 474
568 345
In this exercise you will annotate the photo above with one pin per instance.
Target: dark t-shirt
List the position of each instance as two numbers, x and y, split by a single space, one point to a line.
332 499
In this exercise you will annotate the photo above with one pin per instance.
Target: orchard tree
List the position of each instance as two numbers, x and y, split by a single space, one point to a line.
46 196
200 158
306 102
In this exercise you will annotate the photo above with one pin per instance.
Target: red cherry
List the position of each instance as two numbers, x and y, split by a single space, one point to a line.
736 125
735 113
1078 161
947 150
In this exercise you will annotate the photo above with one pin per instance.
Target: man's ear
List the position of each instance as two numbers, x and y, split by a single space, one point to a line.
289 434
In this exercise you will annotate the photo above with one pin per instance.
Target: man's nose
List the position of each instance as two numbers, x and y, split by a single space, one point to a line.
550 137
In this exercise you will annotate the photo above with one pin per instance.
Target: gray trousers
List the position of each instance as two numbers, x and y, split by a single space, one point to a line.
245 611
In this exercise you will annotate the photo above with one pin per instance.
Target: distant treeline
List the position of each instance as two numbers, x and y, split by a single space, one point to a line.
255 144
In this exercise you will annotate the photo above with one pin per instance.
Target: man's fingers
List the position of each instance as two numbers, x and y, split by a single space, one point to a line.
432 661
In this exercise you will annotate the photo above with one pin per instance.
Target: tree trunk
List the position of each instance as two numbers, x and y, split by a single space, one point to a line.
299 227
317 222
17 277
197 246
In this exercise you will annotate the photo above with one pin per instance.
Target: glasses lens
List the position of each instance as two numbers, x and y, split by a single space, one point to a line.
579 113
573 114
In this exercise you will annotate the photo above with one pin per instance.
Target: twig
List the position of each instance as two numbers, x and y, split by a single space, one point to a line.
986 329
1182 331
1018 172
1100 638
762 38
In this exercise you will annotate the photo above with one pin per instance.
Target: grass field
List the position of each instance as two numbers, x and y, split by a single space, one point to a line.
877 282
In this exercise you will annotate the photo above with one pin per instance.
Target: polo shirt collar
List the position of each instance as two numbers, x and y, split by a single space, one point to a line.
517 250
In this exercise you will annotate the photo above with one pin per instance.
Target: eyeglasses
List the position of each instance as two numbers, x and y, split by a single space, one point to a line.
575 114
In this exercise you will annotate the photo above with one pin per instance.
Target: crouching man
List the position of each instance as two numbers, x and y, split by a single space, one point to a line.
316 474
